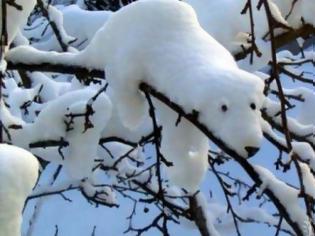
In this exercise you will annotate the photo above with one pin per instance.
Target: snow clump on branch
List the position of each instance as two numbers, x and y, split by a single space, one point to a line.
17 17
77 117
18 175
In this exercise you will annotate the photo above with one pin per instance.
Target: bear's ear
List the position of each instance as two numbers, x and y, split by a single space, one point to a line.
131 108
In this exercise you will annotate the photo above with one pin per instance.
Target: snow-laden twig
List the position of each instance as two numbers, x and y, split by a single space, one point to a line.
55 19
284 121
39 204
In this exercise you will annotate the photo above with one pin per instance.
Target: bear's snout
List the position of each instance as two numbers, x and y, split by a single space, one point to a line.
251 151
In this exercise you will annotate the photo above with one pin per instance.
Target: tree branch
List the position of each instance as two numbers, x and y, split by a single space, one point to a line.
282 39
198 216
55 68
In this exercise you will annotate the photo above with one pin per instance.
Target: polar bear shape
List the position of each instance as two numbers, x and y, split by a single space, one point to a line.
182 61
161 43
18 175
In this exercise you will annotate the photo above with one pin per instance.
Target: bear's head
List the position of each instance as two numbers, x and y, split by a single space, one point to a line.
232 109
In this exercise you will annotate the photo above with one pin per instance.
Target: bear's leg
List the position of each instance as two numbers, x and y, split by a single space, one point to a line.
186 147
130 102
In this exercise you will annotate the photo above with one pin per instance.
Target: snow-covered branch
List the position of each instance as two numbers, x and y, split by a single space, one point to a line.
125 113
249 169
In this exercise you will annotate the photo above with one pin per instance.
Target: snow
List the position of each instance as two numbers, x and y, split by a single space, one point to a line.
17 18
115 128
83 143
303 9
173 59
300 42
272 108
102 194
302 130
67 25
258 62
20 39
22 53
223 221
237 34
74 32
46 189
305 152
191 61
307 113
51 89
210 12
50 125
287 195
308 180
202 202
18 175
18 96
267 129
57 17
186 148
83 30
276 12
8 119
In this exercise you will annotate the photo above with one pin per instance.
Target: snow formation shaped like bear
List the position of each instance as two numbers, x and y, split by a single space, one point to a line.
161 43
18 175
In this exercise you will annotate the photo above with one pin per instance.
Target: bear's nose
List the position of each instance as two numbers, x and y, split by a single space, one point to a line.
251 151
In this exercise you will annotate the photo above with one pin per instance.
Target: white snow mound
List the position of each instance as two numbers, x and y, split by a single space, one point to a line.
17 18
18 175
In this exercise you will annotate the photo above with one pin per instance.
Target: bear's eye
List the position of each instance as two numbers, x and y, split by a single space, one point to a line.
253 106
224 108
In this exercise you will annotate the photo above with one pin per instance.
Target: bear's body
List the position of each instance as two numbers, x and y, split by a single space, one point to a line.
162 45
160 42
